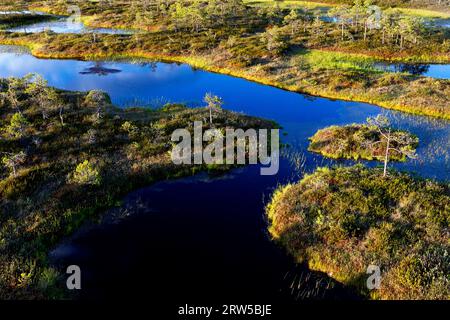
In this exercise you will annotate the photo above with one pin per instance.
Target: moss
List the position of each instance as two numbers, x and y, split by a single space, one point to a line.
273 205
360 142
344 219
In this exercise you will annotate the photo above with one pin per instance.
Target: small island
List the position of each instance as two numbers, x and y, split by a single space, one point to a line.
342 220
362 141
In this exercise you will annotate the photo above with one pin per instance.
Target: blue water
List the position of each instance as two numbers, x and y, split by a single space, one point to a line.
438 71
443 23
204 239
61 25
21 12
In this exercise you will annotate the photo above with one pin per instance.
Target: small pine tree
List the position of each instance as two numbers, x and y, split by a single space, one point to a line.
387 137
85 173
18 125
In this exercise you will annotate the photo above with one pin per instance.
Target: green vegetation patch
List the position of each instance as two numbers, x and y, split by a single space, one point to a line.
344 219
329 60
360 141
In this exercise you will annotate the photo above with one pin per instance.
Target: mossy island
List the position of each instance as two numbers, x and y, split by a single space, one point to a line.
362 141
342 220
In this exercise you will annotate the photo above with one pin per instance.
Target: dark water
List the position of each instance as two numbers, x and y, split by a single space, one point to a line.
193 240
199 239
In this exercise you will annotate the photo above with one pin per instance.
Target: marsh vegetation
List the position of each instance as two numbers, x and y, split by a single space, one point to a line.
343 219
375 140
67 156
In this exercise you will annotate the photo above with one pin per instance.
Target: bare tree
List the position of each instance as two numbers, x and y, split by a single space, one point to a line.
42 95
401 140
14 89
213 103
13 160
98 100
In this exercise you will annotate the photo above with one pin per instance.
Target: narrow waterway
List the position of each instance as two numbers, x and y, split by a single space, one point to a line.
61 24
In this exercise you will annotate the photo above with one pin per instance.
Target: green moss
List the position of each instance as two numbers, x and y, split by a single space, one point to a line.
342 220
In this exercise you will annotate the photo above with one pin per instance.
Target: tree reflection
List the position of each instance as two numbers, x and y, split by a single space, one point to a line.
415 69
100 70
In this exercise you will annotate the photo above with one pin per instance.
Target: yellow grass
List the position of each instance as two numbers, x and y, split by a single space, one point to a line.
290 4
425 13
